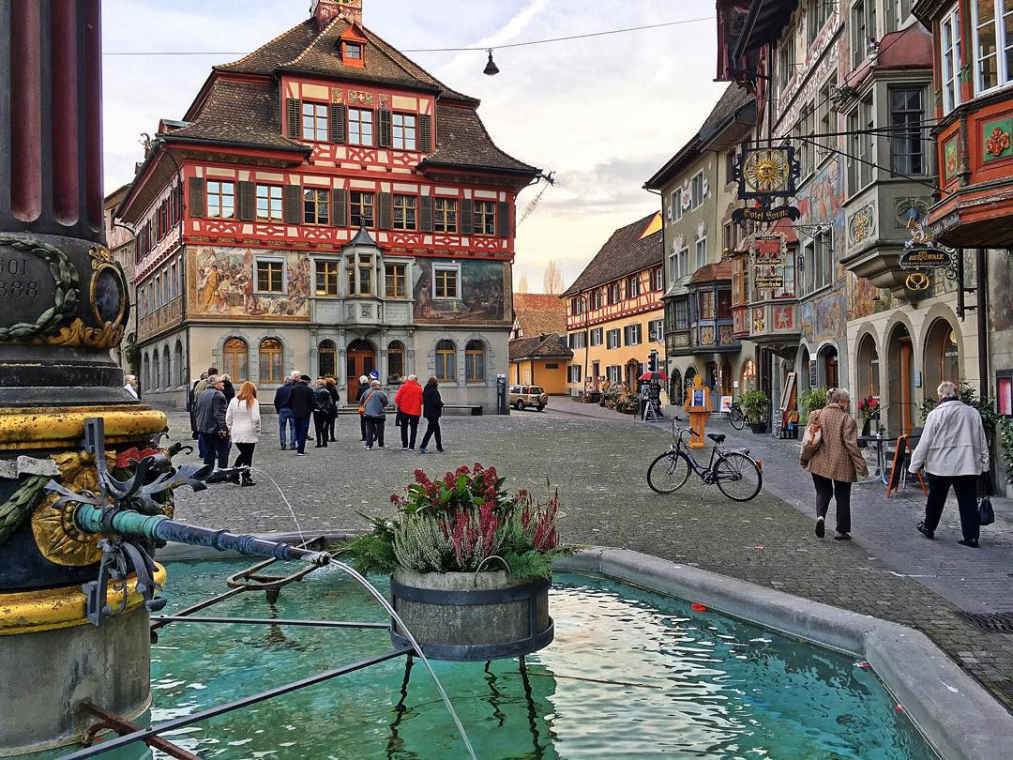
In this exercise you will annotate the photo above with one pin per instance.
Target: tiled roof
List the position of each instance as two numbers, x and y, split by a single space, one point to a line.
462 140
305 48
551 345
720 270
625 252
538 313
243 112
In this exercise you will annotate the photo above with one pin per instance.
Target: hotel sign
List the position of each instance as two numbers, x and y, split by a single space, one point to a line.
740 215
925 258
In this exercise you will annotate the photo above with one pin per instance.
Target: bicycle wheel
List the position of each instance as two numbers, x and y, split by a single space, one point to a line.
737 419
668 473
738 476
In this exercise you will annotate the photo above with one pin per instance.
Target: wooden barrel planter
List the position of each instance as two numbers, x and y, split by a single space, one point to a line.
471 616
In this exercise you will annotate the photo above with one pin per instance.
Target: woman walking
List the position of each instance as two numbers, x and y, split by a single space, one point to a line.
322 406
837 462
375 404
953 450
242 417
332 388
432 410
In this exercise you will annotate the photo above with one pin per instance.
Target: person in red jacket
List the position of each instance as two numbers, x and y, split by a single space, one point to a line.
408 401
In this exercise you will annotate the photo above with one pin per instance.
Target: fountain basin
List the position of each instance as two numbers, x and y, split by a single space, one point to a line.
471 617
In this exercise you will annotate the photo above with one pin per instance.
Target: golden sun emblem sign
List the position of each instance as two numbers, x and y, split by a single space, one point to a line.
766 171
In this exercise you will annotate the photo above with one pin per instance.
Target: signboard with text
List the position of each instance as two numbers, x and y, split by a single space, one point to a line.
925 258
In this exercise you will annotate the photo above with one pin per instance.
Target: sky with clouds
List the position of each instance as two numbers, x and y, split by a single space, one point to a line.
602 113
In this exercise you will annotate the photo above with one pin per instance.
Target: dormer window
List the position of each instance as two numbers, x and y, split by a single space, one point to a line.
353 51
352 47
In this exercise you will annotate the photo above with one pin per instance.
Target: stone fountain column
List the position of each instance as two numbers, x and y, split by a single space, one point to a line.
63 304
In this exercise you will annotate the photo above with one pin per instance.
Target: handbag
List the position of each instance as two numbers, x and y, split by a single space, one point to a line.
812 439
362 406
986 515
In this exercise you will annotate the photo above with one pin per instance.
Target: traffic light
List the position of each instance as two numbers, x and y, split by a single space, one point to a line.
652 362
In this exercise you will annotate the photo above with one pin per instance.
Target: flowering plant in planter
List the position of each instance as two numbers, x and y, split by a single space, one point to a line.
462 522
869 408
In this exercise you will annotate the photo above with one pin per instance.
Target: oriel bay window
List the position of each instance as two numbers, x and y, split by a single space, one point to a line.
861 146
949 55
906 146
315 210
269 203
221 199
446 361
361 209
270 276
360 126
327 278
484 218
405 216
395 280
404 131
445 282
992 31
314 121
360 275
681 313
444 215
474 361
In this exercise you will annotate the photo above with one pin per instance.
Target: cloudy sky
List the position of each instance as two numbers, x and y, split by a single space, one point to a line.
602 113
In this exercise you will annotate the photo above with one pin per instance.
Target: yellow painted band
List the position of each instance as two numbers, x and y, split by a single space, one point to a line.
49 609
51 427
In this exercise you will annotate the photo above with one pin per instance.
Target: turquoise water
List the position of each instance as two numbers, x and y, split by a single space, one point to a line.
630 675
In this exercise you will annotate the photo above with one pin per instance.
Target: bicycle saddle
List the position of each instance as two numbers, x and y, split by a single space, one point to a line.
717 437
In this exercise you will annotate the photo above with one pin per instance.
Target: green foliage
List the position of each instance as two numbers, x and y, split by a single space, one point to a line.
754 405
132 353
1005 427
372 553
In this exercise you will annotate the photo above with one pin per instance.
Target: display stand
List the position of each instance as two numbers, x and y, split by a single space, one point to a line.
698 405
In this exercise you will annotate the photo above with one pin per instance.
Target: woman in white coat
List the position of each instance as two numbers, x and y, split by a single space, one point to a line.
243 420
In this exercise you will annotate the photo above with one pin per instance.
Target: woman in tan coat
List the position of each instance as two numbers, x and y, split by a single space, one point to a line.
837 462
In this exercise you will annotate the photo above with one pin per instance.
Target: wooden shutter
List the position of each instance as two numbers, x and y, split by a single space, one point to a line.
337 124
339 208
467 217
247 201
386 210
384 128
198 204
503 218
293 110
426 213
292 201
425 134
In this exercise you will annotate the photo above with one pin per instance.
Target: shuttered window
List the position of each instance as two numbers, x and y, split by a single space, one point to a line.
484 218
425 133
314 122
404 131
405 212
293 114
269 203
360 126
444 215
315 204
221 199
361 207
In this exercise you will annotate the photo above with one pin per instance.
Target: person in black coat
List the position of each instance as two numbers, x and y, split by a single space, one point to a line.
432 410
332 388
302 403
322 406
363 388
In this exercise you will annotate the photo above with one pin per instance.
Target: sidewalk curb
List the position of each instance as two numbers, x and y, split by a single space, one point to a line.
956 714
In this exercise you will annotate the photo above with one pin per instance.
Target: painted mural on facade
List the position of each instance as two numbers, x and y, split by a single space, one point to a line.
223 283
484 290
823 317
865 299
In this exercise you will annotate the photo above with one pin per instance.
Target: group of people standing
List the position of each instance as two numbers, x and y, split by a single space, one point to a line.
221 417
411 402
952 451
297 402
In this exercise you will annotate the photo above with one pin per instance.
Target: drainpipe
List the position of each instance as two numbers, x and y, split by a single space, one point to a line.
981 313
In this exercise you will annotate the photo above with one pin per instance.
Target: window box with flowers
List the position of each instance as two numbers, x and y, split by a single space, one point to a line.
470 564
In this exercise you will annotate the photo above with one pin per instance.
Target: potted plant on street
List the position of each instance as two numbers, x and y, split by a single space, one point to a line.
754 404
811 400
469 562
868 408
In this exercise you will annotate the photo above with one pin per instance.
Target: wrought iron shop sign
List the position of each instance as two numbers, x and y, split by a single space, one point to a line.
767 173
740 215
925 258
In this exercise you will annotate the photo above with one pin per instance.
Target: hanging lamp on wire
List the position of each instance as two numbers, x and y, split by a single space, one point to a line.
491 69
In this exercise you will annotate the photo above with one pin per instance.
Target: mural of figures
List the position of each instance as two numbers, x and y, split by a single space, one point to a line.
823 317
865 299
222 283
484 289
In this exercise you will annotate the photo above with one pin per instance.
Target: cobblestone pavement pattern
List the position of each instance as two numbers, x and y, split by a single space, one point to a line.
599 462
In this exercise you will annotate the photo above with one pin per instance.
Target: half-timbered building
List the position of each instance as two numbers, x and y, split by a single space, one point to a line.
325 205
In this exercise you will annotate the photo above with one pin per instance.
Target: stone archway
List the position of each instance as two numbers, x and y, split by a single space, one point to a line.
900 411
360 359
940 356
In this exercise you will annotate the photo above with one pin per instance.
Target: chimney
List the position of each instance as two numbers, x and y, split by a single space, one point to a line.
324 11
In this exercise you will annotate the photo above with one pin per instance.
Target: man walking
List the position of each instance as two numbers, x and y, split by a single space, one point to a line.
283 405
375 403
953 450
131 385
302 403
408 400
211 427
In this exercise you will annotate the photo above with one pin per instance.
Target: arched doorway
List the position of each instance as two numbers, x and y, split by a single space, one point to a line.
942 356
633 372
688 380
868 369
327 358
803 370
900 413
360 360
675 388
828 364
747 379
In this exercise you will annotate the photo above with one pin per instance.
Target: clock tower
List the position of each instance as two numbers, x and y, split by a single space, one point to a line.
324 11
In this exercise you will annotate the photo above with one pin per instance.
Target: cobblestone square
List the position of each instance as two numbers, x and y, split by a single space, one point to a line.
599 462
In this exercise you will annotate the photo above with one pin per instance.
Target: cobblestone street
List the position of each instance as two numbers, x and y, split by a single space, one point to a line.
599 462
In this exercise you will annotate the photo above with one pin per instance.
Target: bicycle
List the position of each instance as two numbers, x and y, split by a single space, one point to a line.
736 474
736 417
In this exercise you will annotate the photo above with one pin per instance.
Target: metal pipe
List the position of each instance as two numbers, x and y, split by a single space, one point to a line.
981 314
173 725
269 621
91 519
